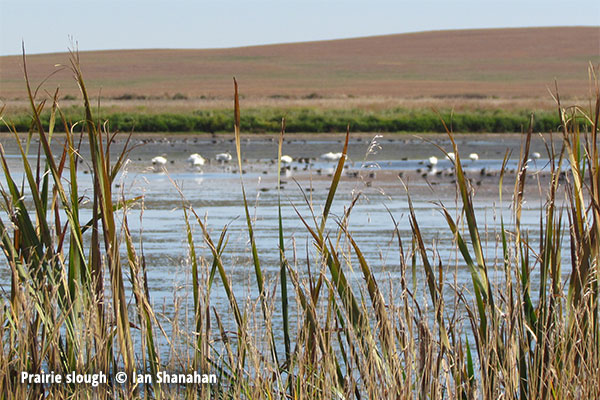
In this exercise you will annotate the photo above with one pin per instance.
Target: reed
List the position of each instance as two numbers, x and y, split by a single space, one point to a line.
68 308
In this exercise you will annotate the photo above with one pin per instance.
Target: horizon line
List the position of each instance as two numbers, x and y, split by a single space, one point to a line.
300 42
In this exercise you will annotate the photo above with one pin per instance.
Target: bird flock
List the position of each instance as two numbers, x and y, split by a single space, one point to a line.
197 161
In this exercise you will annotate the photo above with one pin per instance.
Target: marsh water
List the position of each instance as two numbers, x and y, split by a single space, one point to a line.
376 171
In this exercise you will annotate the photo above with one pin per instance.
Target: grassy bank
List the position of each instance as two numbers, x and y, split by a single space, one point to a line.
260 120
68 309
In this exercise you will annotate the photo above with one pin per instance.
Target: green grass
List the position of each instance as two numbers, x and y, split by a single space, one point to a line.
67 308
310 120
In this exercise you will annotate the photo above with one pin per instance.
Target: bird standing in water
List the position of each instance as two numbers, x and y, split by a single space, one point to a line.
196 160
159 162
223 157
331 156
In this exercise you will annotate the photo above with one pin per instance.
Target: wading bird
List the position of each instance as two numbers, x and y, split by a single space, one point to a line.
196 160
159 161
286 159
331 156
223 157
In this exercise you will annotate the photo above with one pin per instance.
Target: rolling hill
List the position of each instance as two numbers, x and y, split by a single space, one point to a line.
503 63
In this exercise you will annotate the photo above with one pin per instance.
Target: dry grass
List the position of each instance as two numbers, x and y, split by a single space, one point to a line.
506 63
372 103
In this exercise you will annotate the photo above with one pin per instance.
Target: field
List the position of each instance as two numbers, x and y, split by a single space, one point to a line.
375 84
431 68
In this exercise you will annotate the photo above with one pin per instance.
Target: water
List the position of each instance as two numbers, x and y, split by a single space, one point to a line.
215 194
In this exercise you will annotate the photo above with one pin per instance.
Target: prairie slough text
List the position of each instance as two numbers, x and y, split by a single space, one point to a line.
120 377
52 378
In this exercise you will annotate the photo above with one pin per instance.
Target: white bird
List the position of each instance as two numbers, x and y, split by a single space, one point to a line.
159 160
331 156
223 157
474 156
196 160
451 157
286 159
432 160
536 155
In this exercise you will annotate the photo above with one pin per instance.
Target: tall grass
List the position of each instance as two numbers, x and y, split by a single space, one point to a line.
68 308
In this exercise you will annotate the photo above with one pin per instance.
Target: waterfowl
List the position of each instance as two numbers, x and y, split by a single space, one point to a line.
331 156
159 162
196 160
286 159
223 157
474 156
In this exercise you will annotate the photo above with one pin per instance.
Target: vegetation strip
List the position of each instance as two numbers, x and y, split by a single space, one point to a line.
310 120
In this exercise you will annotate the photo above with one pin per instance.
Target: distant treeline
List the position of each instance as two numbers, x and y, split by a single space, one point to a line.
313 120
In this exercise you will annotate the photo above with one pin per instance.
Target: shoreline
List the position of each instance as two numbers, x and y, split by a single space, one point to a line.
304 120
178 136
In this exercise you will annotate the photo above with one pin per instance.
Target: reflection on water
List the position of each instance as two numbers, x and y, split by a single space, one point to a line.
215 193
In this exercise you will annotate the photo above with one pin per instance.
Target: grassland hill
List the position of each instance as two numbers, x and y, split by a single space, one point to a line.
502 63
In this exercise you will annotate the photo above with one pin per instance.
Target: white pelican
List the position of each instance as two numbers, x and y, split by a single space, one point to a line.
223 157
432 160
451 157
159 162
474 156
286 159
536 155
196 160
331 156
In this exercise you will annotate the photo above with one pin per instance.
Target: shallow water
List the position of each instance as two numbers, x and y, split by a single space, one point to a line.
215 193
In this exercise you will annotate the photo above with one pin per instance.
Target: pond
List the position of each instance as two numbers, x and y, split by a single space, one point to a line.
381 170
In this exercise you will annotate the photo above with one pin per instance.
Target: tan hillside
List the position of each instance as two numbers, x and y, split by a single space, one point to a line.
504 63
